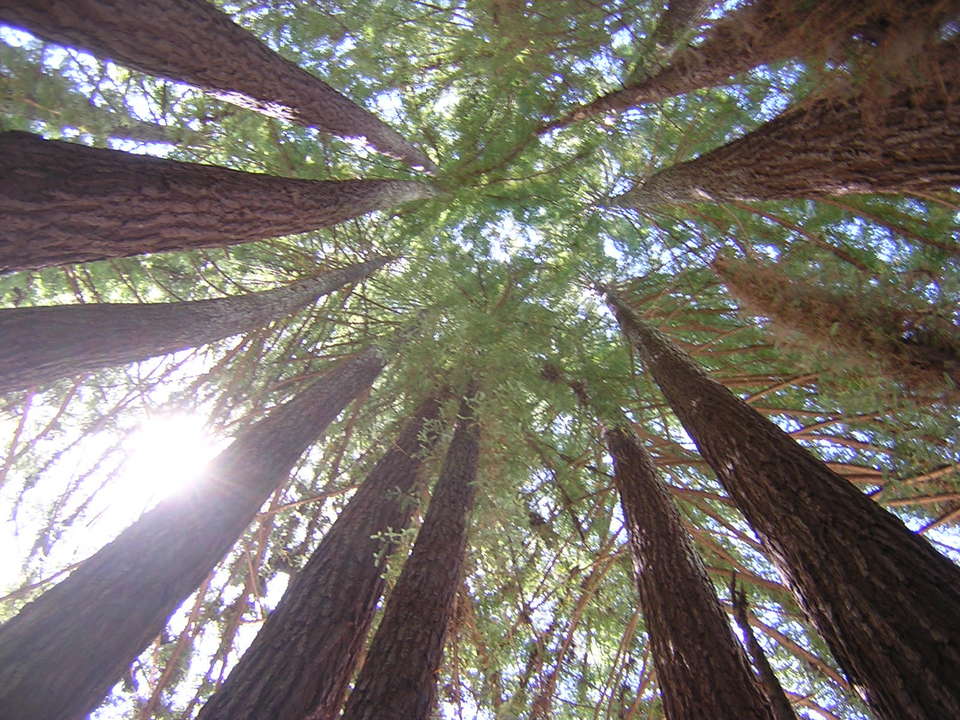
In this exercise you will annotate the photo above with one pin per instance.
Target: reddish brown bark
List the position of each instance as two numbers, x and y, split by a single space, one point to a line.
772 689
908 142
193 42
306 653
41 344
66 203
398 680
761 32
885 601
701 667
63 652
880 330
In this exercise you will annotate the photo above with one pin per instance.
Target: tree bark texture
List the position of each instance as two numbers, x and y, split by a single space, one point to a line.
398 681
758 33
701 666
772 689
917 346
907 142
192 41
39 345
305 655
61 654
67 203
885 601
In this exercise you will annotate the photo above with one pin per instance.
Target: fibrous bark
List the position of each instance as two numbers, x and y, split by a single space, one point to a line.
67 203
907 142
885 601
41 344
398 680
306 653
192 41
767 31
701 667
772 689
917 347
62 653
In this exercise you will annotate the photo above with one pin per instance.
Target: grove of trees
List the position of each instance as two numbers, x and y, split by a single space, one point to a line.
557 358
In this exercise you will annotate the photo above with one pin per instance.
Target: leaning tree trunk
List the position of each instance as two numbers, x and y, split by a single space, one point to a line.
701 667
914 346
907 142
761 32
192 41
63 652
41 344
885 601
398 681
305 655
66 203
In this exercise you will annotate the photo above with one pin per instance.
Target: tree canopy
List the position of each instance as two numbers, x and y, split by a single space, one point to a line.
501 271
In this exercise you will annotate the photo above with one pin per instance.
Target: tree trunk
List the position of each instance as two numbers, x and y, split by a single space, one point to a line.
66 203
192 41
910 343
63 652
305 655
907 142
41 344
885 601
772 689
762 32
399 678
701 666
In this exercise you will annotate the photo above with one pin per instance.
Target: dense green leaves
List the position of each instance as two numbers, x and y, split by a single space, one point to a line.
502 266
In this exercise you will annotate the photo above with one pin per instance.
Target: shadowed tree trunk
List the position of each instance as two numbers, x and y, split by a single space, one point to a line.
398 681
678 19
885 601
62 653
701 667
907 142
772 689
761 32
192 41
911 345
65 203
306 653
41 344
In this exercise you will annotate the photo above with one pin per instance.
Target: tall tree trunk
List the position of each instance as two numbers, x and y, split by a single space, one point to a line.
678 19
399 678
908 142
885 601
766 31
911 345
41 344
66 203
192 41
701 666
305 655
772 689
63 652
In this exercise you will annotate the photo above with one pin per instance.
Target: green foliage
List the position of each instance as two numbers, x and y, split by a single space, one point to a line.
502 266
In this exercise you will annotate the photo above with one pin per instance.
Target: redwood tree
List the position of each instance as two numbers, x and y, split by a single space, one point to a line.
41 344
66 203
398 681
757 33
61 654
836 145
885 601
879 330
701 667
307 651
192 41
